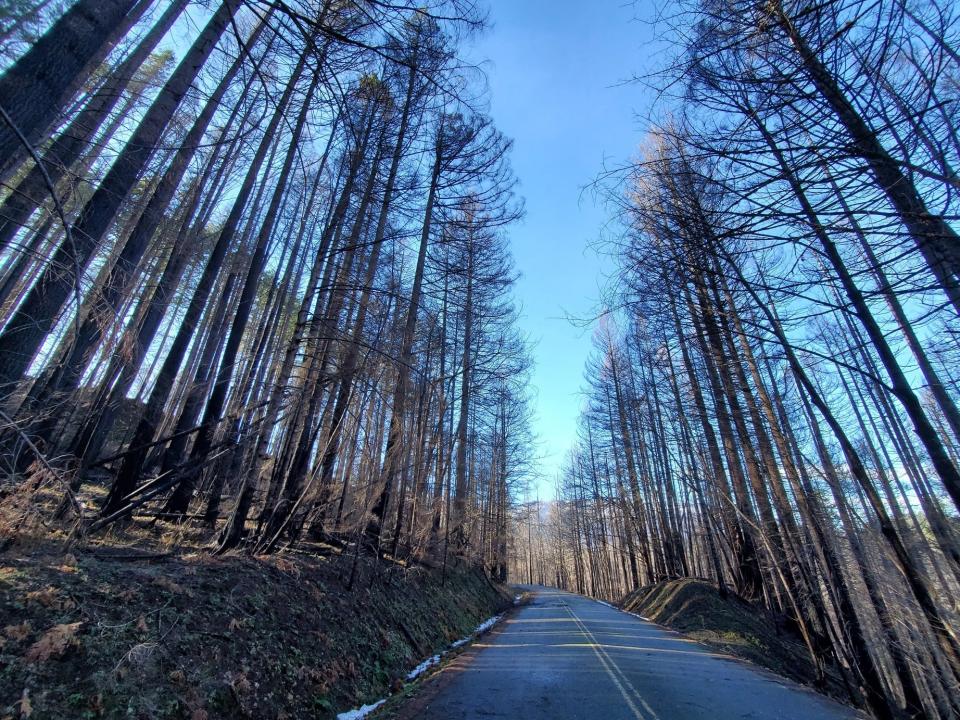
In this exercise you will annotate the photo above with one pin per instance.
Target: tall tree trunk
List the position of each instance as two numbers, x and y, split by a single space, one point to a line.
900 386
130 470
214 408
69 145
391 462
943 632
460 492
43 80
26 331
937 242
117 284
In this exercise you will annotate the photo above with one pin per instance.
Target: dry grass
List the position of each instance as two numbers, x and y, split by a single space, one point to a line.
123 627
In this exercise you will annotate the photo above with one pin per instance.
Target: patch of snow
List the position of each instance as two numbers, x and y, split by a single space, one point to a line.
360 712
487 624
423 667
516 600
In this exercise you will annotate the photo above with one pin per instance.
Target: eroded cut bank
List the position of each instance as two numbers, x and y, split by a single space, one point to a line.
104 635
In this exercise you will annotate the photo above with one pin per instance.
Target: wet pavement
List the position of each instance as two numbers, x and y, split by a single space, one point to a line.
566 657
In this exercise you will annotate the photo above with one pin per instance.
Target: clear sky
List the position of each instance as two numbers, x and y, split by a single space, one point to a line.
556 69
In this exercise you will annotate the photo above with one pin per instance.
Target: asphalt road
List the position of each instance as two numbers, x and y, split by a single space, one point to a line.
565 657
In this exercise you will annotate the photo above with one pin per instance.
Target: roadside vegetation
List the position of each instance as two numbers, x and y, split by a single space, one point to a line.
115 630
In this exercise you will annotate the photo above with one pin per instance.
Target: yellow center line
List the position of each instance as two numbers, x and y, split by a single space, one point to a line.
615 673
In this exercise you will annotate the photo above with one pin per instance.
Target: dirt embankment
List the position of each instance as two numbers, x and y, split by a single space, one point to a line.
101 634
732 625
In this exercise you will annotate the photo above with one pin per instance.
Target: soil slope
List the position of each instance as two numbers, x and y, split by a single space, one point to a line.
104 634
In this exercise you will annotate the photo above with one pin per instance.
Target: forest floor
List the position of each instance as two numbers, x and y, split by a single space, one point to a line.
733 625
122 629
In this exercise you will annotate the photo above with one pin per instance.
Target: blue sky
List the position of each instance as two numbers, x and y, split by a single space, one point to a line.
555 71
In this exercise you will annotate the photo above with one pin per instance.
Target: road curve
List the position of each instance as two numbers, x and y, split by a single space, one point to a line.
566 657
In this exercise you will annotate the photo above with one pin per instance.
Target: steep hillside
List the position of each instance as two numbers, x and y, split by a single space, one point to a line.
105 634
